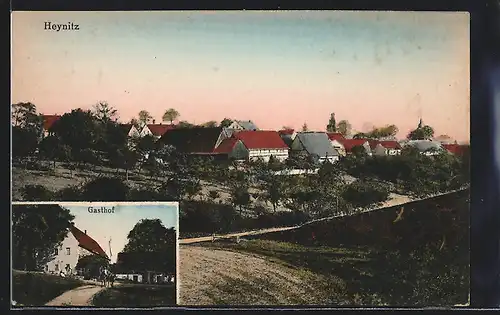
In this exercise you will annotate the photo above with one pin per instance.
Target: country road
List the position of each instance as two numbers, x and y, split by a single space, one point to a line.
396 200
81 296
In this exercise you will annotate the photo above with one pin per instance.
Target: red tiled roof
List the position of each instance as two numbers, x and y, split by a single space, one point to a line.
454 148
373 143
87 242
49 120
351 143
388 144
261 139
286 132
335 136
226 146
160 129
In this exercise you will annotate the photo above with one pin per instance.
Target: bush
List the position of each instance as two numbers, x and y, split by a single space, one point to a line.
364 193
37 193
72 193
105 189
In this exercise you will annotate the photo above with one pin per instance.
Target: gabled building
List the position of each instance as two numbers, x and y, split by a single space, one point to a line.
336 142
76 244
456 149
349 144
155 130
47 123
131 130
195 140
288 135
262 144
426 147
315 144
243 125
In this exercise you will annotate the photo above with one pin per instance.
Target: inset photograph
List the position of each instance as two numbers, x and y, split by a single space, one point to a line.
83 254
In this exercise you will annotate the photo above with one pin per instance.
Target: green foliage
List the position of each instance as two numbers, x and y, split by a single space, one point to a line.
25 142
105 189
363 194
332 124
144 117
36 231
170 115
421 133
105 112
240 196
91 265
226 122
37 193
25 117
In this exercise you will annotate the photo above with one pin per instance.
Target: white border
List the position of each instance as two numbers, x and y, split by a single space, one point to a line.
99 203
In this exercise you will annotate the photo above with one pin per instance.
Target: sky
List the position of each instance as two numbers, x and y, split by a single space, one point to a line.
117 225
276 68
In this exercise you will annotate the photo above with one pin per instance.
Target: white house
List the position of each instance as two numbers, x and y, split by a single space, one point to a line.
383 148
254 145
75 245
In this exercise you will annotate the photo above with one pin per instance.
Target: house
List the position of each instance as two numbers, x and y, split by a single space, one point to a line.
155 130
349 144
195 140
336 142
76 244
258 144
131 130
315 144
47 123
243 125
426 147
387 147
455 148
288 135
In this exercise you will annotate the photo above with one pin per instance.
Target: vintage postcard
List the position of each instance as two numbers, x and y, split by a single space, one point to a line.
318 157
94 254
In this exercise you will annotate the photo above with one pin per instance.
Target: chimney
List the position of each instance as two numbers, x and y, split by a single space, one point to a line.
154 121
85 231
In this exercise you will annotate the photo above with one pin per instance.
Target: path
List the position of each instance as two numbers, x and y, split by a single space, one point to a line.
81 296
396 200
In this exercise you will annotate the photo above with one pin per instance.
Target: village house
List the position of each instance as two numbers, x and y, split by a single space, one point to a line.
76 244
455 148
288 135
350 144
316 145
426 147
155 130
201 141
47 123
386 147
131 130
243 125
254 145
336 142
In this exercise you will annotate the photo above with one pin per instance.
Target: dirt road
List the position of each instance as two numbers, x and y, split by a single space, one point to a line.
212 276
81 296
218 237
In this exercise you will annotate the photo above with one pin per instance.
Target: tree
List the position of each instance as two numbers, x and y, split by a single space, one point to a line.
226 122
210 124
170 115
37 230
359 151
150 247
240 196
24 142
135 122
344 127
104 112
423 132
185 124
91 265
25 116
274 190
332 124
105 189
304 127
126 159
144 117
213 194
52 149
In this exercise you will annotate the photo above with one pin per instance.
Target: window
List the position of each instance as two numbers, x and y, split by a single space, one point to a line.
68 251
56 268
68 268
56 251
46 267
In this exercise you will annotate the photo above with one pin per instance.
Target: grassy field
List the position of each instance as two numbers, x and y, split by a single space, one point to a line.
135 296
36 289
418 256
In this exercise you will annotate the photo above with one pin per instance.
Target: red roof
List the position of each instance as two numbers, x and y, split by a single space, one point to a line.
49 120
87 242
160 129
286 132
226 146
335 136
454 148
351 143
390 144
373 143
261 139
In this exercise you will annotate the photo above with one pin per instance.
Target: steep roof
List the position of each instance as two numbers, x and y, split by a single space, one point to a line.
351 143
335 136
192 140
261 139
226 146
316 143
389 144
159 129
425 145
247 124
49 120
87 242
